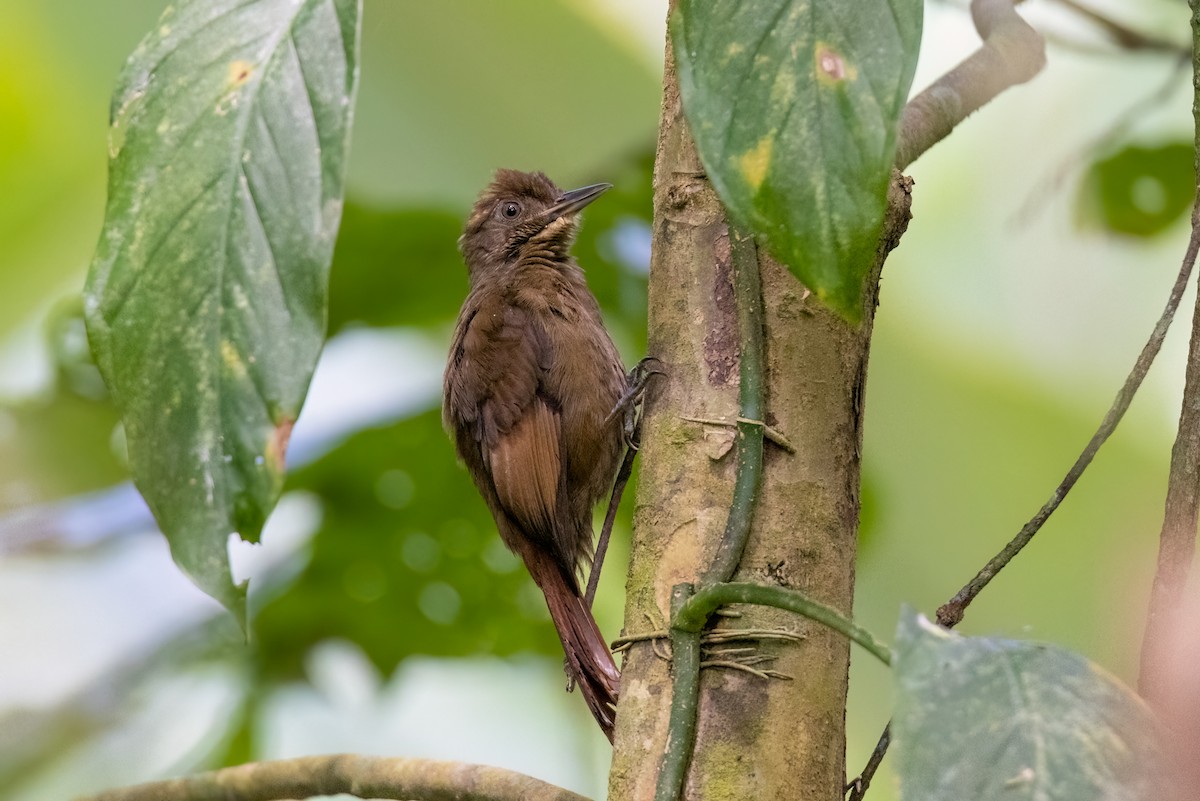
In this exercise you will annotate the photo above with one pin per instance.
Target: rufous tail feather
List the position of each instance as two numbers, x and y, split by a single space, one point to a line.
588 658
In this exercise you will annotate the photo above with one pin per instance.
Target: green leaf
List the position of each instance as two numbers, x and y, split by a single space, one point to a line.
794 105
985 718
1140 191
397 267
206 300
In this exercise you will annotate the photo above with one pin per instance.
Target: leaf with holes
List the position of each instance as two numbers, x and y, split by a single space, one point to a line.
985 718
206 299
794 106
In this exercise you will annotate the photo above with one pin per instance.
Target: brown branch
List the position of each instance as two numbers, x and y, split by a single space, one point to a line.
1177 541
359 776
1011 54
857 787
1122 35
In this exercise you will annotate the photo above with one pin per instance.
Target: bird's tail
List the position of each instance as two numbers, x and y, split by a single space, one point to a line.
588 659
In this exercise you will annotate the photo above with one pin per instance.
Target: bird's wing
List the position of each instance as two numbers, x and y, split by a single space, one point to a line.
502 422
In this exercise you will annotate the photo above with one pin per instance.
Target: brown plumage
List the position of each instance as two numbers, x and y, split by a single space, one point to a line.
530 383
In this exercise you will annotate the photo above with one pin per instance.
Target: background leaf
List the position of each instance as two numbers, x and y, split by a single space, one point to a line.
793 106
986 718
403 563
206 300
1139 191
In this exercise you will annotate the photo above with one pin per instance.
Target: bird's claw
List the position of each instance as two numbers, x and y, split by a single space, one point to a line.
627 405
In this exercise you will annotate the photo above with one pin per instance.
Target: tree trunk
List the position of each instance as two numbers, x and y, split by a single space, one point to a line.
757 738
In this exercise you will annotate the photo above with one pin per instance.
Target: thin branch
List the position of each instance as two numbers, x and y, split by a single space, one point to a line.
950 614
747 282
694 615
685 701
1121 34
359 776
771 434
1011 54
1177 541
858 788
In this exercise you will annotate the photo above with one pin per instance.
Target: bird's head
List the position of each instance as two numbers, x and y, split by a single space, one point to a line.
519 209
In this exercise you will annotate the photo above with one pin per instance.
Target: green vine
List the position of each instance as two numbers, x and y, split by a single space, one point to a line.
747 287
694 615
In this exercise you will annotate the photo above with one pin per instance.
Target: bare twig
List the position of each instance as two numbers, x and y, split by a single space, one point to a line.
951 613
1011 54
359 776
772 434
857 788
1122 35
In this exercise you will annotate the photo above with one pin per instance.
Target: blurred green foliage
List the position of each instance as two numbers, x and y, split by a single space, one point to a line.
406 561
961 446
1140 191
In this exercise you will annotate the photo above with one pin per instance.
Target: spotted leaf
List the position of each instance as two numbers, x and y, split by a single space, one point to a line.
206 299
793 105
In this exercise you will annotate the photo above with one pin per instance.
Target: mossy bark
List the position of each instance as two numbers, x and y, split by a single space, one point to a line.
757 738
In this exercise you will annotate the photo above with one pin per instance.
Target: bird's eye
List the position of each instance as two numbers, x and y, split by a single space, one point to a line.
510 210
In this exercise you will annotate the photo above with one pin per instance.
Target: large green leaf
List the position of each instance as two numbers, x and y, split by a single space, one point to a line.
793 105
206 300
985 718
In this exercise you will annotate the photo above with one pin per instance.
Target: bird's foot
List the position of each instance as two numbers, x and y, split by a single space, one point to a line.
628 404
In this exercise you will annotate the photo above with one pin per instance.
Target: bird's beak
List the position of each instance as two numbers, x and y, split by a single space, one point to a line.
572 202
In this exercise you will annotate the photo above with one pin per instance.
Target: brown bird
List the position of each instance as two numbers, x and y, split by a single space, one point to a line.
530 387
